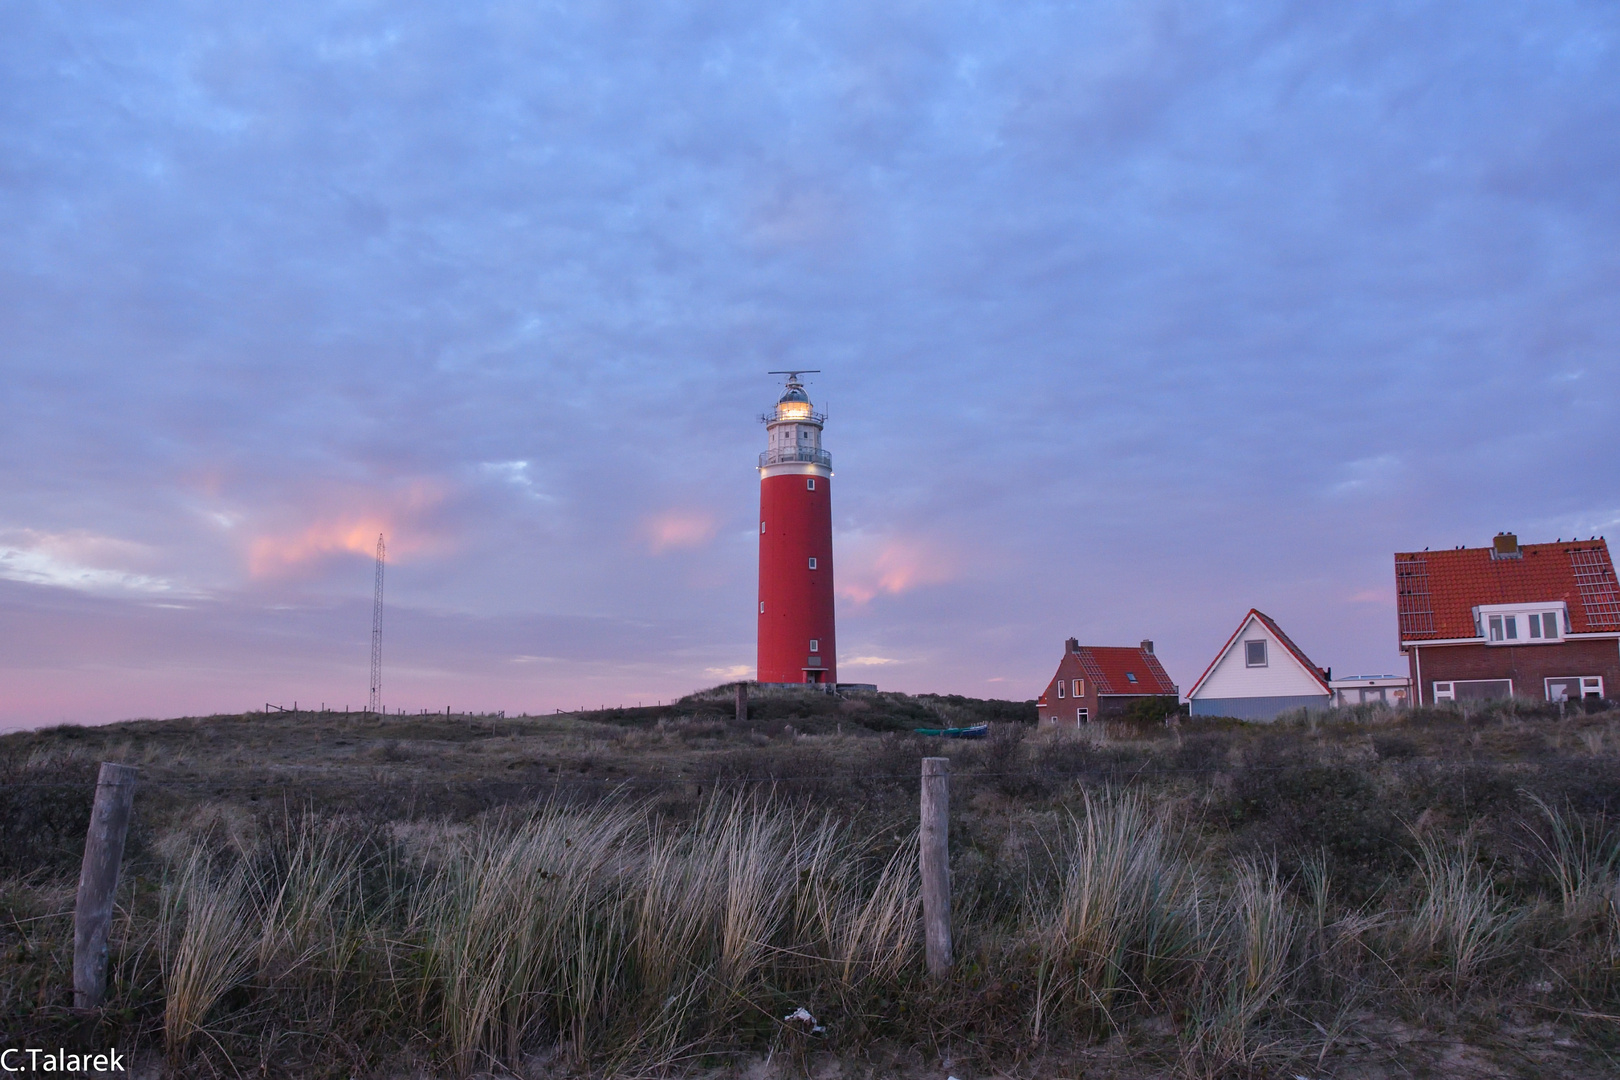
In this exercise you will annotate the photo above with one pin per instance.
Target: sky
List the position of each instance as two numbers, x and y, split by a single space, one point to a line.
1129 316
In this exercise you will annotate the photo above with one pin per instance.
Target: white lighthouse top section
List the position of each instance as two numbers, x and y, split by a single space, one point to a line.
793 429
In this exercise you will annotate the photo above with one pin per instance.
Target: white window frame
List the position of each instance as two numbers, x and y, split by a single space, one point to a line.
812 562
815 645
1248 655
1082 716
762 607
1493 621
1061 687
1079 688
810 484
762 528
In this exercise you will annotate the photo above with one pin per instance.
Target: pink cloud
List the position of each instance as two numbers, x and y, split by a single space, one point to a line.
403 520
678 529
871 567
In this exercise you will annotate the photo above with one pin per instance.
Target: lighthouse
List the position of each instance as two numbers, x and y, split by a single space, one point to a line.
796 639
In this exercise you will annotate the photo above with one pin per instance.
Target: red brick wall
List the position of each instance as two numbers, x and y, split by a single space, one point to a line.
1063 708
1526 665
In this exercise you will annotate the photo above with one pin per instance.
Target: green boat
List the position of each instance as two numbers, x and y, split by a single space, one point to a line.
977 731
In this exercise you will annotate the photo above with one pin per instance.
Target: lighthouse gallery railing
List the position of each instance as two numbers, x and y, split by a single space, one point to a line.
778 455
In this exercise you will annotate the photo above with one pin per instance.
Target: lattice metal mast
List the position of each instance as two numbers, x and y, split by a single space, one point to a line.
375 704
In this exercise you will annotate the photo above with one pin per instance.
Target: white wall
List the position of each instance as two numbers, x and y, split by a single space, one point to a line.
1283 676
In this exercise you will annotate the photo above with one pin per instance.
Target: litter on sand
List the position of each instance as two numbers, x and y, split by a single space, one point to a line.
801 1015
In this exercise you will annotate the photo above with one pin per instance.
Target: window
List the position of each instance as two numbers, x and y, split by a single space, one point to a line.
810 484
1079 688
1542 624
1254 653
762 528
815 644
1473 690
1574 687
812 562
1082 716
1130 677
1060 688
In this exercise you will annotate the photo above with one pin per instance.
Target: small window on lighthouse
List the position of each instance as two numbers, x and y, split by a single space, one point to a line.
762 607
762 526
812 562
810 484
815 644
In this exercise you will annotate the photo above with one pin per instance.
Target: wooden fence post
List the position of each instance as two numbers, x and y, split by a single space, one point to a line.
742 702
935 862
98 882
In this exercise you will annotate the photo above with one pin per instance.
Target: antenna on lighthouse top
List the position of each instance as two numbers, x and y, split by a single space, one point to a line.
794 404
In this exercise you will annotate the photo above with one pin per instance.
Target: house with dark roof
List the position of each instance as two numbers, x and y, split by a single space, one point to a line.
1537 621
1096 682
1259 673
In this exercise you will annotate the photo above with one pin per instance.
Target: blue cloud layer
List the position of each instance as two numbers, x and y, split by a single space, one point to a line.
1130 316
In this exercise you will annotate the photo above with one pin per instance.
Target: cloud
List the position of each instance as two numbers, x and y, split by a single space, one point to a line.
517 474
81 560
405 523
870 566
868 661
736 671
678 529
1130 316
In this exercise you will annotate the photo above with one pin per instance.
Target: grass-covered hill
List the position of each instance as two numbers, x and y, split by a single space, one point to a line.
654 890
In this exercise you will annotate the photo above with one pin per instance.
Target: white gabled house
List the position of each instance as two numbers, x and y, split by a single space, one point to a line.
1259 673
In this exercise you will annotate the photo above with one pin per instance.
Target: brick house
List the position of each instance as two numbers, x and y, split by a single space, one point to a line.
1096 682
1538 621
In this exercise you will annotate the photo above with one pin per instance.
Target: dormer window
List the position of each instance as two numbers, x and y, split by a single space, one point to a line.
1522 624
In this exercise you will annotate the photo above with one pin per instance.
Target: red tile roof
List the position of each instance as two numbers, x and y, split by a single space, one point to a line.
1107 667
1436 591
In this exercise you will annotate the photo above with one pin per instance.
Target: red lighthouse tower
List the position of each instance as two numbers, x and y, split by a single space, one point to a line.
796 640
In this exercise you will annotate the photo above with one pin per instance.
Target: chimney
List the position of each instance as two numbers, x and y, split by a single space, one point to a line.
1505 546
1147 646
1072 645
